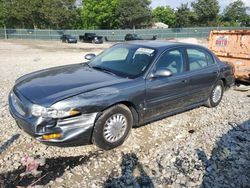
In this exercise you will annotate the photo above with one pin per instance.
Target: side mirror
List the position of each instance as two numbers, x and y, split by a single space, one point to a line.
162 72
90 56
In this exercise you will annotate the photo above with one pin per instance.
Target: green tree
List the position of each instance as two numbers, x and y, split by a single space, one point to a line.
207 12
3 13
136 14
99 14
184 16
39 13
165 15
22 13
236 12
59 14
78 20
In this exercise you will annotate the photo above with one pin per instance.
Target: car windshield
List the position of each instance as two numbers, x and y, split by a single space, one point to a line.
92 34
124 60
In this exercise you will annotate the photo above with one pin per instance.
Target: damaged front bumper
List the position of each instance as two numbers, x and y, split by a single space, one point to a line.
72 131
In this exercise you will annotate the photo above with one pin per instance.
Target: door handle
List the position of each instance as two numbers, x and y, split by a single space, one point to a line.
184 81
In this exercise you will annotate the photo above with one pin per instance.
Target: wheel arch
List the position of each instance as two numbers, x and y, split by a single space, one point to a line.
224 81
132 108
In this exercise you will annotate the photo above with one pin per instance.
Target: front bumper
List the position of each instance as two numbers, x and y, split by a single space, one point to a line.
74 131
98 41
72 41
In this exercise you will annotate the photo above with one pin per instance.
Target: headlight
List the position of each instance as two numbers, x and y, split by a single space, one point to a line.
40 111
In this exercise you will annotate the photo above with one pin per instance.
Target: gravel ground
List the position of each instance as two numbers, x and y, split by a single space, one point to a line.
202 147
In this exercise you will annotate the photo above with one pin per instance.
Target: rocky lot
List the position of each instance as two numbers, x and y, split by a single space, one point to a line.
203 147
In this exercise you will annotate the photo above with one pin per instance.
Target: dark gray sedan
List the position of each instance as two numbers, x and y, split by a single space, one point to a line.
68 39
127 85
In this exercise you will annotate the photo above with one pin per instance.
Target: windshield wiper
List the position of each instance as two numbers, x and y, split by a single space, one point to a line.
103 69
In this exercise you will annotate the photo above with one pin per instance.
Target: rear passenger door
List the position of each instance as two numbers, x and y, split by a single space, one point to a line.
203 72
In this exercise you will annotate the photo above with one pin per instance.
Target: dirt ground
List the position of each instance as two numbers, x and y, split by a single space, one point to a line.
190 149
43 54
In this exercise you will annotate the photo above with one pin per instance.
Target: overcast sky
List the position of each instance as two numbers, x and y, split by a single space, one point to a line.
177 3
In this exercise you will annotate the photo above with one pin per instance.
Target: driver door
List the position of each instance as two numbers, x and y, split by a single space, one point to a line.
167 94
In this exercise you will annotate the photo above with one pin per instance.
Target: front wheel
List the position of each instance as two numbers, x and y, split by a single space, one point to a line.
112 127
215 95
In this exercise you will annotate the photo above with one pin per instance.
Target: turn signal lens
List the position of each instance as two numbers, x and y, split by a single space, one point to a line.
51 136
74 112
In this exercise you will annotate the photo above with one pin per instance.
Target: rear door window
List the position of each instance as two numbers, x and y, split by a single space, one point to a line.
198 59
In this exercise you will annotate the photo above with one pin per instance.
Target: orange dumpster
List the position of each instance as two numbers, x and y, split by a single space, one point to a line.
233 47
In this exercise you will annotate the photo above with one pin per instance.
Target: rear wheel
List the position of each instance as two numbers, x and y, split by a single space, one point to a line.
216 94
112 127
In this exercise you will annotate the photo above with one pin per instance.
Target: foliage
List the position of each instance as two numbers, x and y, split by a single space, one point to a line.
136 14
3 13
99 14
184 16
206 11
39 13
25 13
78 20
106 14
59 13
236 12
165 15
247 21
113 14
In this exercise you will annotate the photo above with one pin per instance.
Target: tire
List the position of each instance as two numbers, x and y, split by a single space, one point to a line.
102 136
216 95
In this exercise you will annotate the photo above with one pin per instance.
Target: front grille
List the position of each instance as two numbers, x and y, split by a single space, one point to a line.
18 105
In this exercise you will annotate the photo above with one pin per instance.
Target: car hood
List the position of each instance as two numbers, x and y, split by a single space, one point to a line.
49 86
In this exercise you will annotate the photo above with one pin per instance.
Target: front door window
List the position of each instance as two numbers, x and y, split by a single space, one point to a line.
172 60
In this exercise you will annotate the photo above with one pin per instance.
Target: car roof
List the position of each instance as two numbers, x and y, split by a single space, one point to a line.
161 45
